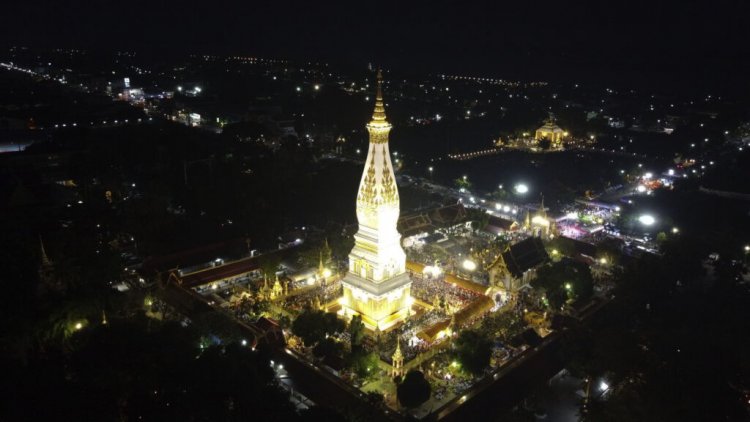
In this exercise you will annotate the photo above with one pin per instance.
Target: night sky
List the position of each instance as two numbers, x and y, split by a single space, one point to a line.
676 44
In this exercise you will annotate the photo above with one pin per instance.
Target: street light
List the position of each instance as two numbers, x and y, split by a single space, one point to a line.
647 220
521 188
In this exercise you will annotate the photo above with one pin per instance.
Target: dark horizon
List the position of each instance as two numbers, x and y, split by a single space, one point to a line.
668 47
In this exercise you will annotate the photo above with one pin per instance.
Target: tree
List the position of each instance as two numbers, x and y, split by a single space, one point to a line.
328 347
145 369
313 325
565 279
356 331
362 363
414 390
473 351
463 183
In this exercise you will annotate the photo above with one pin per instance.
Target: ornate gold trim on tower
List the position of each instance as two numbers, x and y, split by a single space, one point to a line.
376 285
379 112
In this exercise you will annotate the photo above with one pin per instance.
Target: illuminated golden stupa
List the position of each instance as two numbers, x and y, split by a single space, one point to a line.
377 286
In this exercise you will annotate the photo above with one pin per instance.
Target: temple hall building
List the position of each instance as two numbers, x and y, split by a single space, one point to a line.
551 131
377 286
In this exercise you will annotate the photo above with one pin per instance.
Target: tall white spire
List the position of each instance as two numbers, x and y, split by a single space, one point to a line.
377 286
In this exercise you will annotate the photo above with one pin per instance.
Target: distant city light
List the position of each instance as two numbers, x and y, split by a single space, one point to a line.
670 172
641 188
648 175
647 220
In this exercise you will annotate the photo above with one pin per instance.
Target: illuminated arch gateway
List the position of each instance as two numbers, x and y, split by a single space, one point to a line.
377 286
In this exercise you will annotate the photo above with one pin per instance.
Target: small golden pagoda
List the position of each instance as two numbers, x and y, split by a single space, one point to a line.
398 360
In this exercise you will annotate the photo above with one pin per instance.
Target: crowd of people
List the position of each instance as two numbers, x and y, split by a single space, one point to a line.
442 295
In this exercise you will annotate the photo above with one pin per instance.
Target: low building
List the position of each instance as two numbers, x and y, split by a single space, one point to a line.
517 265
551 131
448 215
498 225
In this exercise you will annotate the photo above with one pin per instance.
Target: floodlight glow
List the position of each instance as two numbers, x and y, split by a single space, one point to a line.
506 208
327 273
539 220
641 188
572 215
670 172
521 188
603 386
647 220
469 265
648 175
